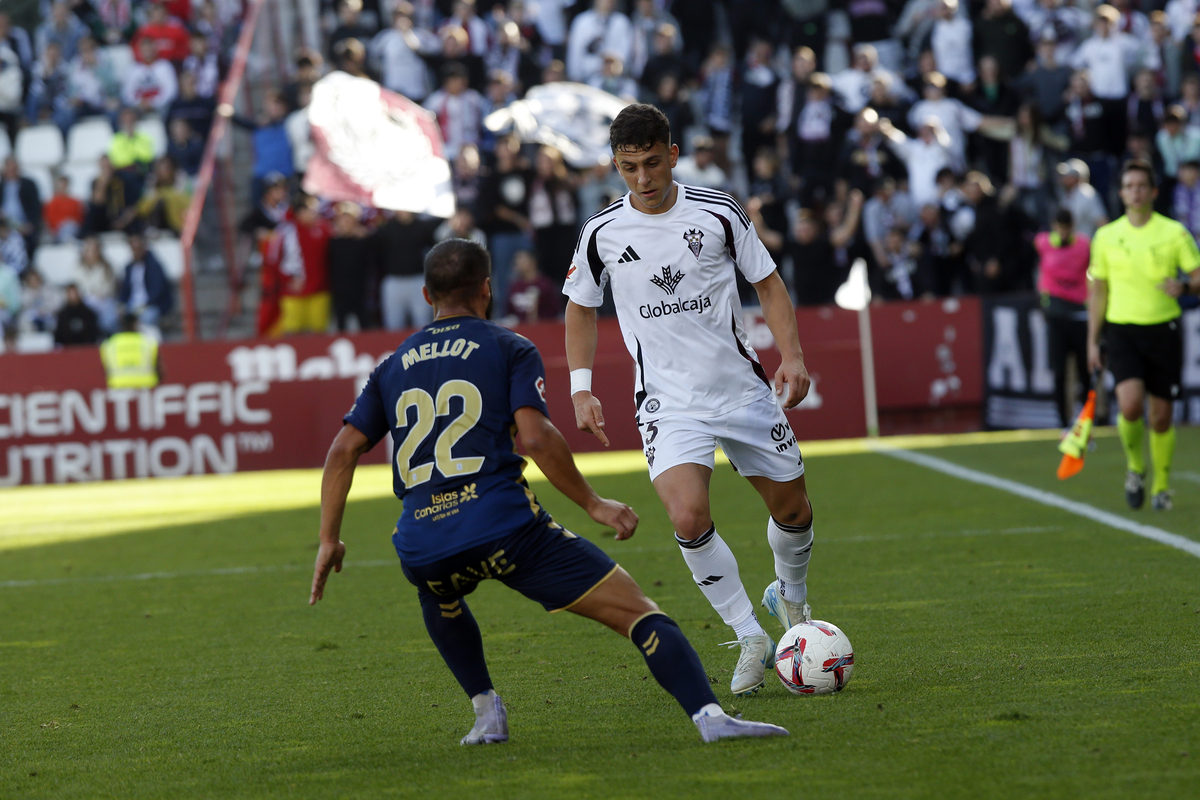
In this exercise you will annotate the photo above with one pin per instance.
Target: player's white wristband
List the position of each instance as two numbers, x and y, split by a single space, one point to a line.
581 380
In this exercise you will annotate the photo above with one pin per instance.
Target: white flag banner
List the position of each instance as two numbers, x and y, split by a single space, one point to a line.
573 117
376 148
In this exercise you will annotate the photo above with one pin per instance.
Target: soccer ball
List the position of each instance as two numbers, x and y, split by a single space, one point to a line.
814 658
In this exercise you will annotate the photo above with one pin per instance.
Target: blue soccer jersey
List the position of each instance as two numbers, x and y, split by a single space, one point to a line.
448 395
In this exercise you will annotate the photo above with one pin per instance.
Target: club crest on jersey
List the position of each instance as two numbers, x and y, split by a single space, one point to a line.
668 281
693 238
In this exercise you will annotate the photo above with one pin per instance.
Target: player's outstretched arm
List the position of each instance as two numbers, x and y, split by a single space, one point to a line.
792 376
549 450
581 354
348 446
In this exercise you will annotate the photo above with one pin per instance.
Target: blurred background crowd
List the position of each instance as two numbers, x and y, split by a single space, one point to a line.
933 139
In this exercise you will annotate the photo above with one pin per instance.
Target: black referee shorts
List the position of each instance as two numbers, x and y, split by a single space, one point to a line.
1153 353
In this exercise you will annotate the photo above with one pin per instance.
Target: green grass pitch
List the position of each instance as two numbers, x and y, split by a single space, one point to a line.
1004 650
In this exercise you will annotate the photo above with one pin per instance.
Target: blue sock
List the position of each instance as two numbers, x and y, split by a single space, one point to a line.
456 634
672 661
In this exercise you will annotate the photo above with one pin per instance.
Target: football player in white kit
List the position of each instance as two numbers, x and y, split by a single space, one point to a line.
669 253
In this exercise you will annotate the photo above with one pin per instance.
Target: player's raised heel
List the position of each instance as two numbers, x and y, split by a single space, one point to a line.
491 727
1135 489
758 655
788 613
723 726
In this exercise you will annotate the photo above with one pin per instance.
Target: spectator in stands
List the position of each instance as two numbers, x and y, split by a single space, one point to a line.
62 28
498 94
899 269
150 85
1000 34
553 212
646 22
12 88
458 108
819 254
21 204
504 202
1047 82
1062 280
596 31
350 259
130 356
853 85
270 210
456 50
145 290
817 140
17 39
110 21
167 37
1060 25
532 297
163 206
957 118
396 52
612 78
1185 201
272 149
699 168
766 203
886 209
62 213
939 252
1108 56
999 258
865 157
201 63
77 323
716 96
310 66
1177 142
10 291
97 283
188 105
466 176
184 147
350 26
664 60
951 43
93 88
461 225
1167 52
464 17
510 55
48 99
1096 128
759 90
923 156
131 152
402 241
107 200
40 302
1144 109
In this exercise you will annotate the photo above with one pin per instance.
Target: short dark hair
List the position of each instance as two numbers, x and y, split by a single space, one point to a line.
1064 217
455 269
639 127
1138 165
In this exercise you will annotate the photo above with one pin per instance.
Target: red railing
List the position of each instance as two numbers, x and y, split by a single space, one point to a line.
225 99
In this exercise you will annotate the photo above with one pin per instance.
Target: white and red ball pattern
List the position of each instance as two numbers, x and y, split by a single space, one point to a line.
814 658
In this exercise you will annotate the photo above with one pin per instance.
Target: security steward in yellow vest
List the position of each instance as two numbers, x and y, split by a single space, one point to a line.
130 357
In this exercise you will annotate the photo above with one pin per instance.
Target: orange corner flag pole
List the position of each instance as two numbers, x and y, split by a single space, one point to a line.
1074 444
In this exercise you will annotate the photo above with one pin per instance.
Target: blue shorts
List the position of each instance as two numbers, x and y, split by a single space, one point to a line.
547 563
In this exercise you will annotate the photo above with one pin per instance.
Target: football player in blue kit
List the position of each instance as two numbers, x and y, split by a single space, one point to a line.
452 397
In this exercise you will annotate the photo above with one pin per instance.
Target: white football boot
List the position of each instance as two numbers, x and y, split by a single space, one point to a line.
715 724
491 725
758 655
789 613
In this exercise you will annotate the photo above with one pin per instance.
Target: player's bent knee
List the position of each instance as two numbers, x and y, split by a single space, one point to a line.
690 523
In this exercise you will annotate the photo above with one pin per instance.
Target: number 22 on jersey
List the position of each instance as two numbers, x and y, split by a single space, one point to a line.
428 409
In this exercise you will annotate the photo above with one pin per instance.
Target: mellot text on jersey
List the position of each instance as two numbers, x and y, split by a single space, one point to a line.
665 309
459 347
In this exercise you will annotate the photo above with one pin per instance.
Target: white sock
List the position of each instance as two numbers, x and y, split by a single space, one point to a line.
710 710
715 571
483 702
792 546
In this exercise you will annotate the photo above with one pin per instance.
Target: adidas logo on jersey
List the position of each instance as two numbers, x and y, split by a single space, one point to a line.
628 255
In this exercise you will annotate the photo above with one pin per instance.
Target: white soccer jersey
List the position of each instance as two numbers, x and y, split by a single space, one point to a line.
673 283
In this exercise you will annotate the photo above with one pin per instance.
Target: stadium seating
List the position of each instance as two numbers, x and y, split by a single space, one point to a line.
39 146
80 176
120 56
5 147
42 177
152 125
57 262
88 140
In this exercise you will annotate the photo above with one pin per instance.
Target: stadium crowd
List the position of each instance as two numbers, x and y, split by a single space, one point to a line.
931 138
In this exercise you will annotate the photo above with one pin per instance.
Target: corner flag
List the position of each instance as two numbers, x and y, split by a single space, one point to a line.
1074 444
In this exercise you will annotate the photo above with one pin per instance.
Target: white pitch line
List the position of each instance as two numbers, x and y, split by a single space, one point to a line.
204 573
1189 546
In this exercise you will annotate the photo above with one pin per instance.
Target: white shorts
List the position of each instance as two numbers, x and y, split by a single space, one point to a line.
757 439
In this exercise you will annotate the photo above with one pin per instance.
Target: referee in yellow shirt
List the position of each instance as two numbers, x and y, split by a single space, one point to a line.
1140 265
